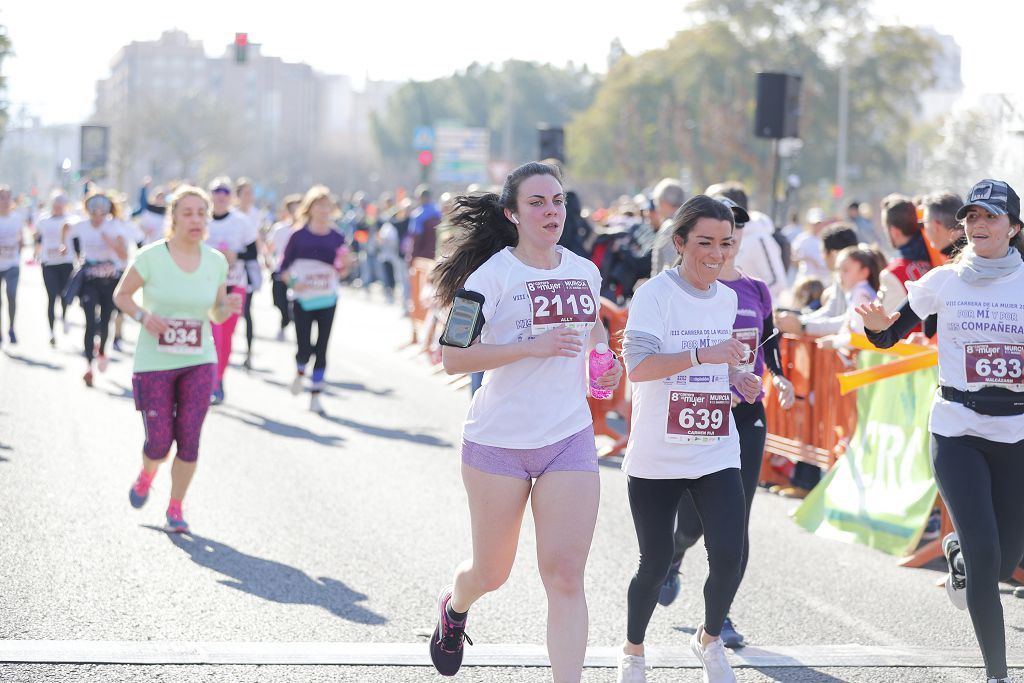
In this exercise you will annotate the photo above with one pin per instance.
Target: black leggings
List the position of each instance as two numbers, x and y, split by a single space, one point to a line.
97 293
247 314
750 423
654 502
9 280
324 318
56 277
279 290
981 482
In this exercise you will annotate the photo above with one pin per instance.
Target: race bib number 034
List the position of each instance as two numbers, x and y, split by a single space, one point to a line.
697 417
994 364
561 303
182 337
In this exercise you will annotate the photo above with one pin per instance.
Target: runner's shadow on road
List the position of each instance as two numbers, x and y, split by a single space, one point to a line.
274 427
5 447
345 386
359 386
274 581
123 391
32 363
784 675
425 439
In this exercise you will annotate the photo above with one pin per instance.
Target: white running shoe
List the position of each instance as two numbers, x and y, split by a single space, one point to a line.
632 669
956 581
296 385
712 659
314 404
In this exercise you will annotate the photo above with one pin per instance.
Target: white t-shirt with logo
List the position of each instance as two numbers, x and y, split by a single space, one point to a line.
981 344
90 239
151 225
279 235
50 228
533 402
232 233
682 425
11 236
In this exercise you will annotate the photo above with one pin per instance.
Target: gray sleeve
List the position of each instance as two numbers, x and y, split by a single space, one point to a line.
636 346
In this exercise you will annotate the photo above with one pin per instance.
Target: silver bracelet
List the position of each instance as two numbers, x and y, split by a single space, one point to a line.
694 361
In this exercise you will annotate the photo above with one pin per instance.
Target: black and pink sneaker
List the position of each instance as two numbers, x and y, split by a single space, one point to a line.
446 644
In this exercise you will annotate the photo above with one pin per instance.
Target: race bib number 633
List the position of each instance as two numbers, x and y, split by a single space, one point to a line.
994 364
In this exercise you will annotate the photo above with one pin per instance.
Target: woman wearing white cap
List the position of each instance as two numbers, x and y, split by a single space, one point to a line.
977 420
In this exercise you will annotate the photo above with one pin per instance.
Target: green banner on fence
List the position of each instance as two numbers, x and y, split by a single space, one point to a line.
882 491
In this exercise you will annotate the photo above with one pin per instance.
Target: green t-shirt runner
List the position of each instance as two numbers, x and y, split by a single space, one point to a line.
183 299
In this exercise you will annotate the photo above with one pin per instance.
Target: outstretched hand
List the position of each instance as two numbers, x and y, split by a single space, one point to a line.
875 318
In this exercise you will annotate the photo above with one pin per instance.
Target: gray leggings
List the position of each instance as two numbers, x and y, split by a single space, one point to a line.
981 482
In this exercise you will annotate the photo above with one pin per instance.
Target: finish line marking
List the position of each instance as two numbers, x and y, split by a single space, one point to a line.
503 655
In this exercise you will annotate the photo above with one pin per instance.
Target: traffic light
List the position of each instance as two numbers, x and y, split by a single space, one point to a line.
425 158
241 48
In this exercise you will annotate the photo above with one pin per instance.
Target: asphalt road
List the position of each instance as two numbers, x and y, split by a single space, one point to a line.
341 529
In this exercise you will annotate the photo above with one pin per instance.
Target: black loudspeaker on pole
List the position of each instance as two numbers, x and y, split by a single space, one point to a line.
777 116
778 106
551 142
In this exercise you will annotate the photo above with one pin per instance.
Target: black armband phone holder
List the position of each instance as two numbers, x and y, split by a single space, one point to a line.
465 319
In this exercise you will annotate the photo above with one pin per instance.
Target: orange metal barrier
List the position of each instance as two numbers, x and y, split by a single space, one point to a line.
820 423
614 318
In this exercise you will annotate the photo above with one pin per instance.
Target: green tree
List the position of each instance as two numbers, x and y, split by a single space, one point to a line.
688 108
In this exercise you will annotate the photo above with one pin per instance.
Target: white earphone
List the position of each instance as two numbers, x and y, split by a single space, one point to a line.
515 220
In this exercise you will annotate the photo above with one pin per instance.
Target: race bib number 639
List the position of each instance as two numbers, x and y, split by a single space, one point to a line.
697 417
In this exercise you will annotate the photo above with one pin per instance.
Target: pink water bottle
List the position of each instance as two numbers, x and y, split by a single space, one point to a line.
601 361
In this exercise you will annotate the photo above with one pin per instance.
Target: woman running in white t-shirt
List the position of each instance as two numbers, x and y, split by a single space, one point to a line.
977 420
681 358
56 261
529 434
12 222
103 249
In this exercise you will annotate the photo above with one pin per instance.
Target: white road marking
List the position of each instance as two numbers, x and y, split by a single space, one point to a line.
504 655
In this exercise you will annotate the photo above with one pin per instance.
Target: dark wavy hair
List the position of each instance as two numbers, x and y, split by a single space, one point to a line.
482 229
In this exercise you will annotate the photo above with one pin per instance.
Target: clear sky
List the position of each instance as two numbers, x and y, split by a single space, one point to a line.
63 47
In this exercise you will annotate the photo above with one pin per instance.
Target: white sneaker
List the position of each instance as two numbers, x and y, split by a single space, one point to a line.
712 659
296 385
956 582
632 669
314 404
